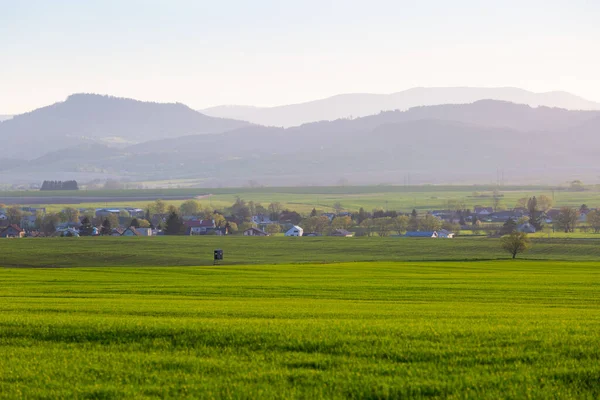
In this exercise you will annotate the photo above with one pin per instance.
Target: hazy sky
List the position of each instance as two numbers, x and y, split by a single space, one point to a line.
271 52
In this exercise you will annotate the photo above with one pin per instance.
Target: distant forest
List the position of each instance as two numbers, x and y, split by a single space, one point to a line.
60 185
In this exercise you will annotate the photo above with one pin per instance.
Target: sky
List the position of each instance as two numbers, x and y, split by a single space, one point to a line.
274 52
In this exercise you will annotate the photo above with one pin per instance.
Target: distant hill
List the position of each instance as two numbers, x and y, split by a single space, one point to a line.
360 105
435 144
88 118
5 117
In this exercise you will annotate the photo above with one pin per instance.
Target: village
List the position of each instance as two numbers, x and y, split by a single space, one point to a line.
253 219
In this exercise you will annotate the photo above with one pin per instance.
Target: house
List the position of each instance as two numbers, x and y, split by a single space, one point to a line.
144 231
69 232
331 216
433 234
104 212
12 231
131 231
295 231
483 211
202 227
445 234
341 233
503 216
526 228
255 232
68 225
117 232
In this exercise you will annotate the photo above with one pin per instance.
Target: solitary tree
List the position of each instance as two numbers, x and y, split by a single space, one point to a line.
515 243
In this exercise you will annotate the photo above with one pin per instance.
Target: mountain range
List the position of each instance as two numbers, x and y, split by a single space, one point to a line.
90 136
361 104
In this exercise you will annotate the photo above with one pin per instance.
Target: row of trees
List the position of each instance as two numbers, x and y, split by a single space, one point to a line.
59 185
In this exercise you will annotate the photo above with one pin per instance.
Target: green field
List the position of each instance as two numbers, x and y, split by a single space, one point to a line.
371 318
303 199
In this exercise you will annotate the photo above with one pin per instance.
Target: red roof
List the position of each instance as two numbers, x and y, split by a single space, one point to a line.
15 227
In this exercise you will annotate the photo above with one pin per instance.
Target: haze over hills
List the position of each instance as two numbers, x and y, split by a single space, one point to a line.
5 117
433 144
90 118
360 104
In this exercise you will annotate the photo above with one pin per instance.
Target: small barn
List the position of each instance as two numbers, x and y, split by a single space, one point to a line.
255 232
341 233
295 231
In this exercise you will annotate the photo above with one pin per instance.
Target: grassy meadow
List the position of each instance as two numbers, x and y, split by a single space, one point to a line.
304 199
375 330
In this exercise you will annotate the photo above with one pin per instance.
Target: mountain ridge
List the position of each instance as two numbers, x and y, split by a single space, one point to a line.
88 118
363 104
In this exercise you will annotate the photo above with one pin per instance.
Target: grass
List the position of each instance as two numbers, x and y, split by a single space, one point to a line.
303 199
239 250
368 330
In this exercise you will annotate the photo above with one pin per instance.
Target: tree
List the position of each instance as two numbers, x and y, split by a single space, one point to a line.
368 226
400 224
69 214
14 215
567 219
496 199
535 216
174 225
144 223
341 222
313 213
593 219
190 207
509 227
244 226
106 228
275 211
134 223
232 227
516 243
577 186
522 203
86 229
544 203
220 220
273 229
451 227
362 215
383 226
160 206
315 224
430 223
49 223
338 208
413 224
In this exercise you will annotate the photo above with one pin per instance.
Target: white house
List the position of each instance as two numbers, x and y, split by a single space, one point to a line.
444 234
295 231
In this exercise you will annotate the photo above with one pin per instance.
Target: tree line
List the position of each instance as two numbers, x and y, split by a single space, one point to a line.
59 185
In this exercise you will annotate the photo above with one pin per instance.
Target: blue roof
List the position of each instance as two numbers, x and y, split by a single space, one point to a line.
419 234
